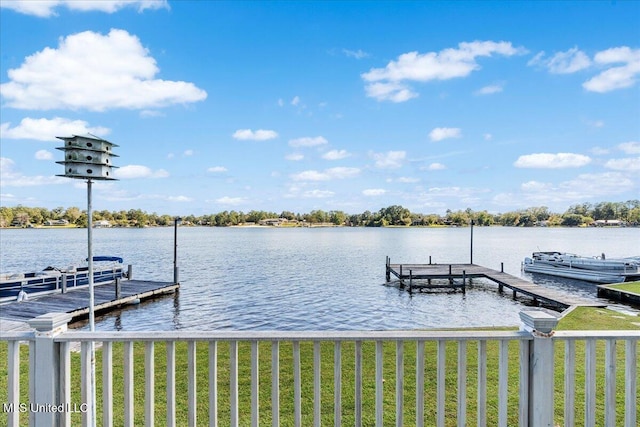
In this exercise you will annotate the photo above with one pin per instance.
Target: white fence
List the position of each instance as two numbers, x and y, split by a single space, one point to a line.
325 378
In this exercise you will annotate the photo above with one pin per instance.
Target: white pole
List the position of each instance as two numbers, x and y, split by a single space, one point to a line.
92 326
90 256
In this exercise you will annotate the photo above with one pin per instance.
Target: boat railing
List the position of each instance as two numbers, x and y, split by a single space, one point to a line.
532 377
48 282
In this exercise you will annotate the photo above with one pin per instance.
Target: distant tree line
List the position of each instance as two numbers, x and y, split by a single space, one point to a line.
627 213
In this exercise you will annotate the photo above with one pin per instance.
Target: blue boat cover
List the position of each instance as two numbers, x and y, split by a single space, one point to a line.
106 258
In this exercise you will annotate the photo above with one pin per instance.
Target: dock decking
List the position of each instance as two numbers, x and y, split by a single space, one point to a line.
411 272
76 301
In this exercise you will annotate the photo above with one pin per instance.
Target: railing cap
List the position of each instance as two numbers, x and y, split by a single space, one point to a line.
536 320
50 321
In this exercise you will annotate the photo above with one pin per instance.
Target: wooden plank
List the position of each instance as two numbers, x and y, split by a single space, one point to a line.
76 300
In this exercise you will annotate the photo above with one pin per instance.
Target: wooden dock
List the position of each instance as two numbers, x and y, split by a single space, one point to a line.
76 301
412 277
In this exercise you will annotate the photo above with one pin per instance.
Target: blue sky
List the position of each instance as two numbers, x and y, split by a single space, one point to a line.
348 106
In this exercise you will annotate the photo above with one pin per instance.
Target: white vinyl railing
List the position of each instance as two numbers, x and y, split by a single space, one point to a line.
327 378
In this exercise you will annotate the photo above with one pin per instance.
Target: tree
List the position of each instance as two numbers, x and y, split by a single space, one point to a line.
6 216
72 214
288 215
395 215
337 217
318 216
484 218
572 220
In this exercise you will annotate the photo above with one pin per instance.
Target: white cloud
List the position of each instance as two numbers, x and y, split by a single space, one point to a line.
95 72
307 141
389 160
335 155
531 186
48 129
294 157
408 180
217 169
618 77
438 134
326 175
187 153
139 171
630 164
487 137
179 199
357 54
258 135
295 101
609 183
578 189
47 8
231 201
318 194
552 161
568 62
145 114
455 191
387 84
10 176
631 147
374 192
44 155
436 167
390 91
489 90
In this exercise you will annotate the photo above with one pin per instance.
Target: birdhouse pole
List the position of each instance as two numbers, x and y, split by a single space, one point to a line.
88 157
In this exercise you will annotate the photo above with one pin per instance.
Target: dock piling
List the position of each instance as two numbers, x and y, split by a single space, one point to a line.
410 280
388 269
464 281
118 288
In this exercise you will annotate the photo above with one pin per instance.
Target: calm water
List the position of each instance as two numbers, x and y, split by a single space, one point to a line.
311 279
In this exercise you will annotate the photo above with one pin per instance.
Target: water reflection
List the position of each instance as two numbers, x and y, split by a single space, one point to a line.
176 310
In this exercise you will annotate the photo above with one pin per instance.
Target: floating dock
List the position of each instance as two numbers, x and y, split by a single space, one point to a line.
76 301
412 277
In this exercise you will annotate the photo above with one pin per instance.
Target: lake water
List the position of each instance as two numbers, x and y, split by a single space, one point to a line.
312 279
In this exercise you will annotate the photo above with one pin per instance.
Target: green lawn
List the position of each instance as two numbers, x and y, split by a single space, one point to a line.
628 286
581 318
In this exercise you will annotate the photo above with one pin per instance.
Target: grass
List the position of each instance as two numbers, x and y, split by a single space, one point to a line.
627 286
598 319
578 319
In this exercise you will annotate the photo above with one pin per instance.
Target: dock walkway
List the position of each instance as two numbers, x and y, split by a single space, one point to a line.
411 272
76 301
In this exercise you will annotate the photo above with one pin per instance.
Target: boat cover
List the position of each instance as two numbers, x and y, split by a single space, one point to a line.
107 258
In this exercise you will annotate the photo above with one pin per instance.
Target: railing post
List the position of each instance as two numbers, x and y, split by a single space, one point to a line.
45 369
541 389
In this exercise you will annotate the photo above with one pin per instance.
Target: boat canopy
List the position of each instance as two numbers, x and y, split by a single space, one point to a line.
107 258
